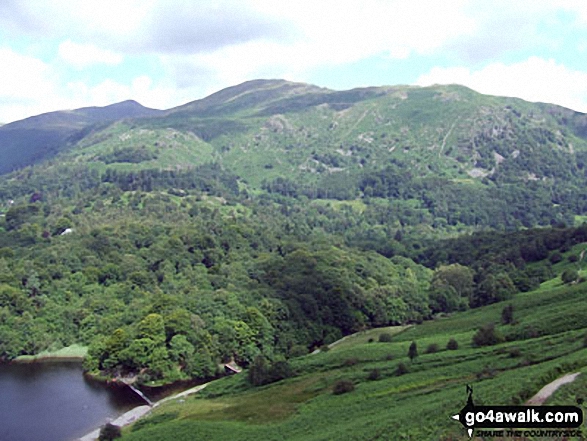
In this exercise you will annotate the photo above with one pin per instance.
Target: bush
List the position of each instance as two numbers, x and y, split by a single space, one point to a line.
370 340
573 258
374 375
351 361
401 369
261 372
569 276
487 336
280 370
389 357
324 348
298 351
507 314
432 348
343 387
385 337
413 351
555 257
452 345
258 373
109 432
585 341
514 352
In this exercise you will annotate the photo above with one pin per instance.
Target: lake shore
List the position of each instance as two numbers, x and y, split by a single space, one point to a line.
138 412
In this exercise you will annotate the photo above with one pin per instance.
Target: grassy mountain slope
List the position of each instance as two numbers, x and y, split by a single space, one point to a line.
457 157
546 340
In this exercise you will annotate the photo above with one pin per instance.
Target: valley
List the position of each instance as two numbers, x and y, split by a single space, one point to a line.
265 222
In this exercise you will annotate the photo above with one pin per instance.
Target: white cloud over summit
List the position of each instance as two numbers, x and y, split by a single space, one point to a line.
165 53
534 79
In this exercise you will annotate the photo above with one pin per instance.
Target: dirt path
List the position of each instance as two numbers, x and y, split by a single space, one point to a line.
134 414
544 393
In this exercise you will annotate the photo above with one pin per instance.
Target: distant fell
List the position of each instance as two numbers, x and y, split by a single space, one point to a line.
33 139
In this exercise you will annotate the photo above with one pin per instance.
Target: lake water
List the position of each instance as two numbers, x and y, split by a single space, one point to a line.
54 402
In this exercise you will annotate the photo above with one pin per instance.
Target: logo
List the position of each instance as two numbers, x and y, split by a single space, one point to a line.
494 421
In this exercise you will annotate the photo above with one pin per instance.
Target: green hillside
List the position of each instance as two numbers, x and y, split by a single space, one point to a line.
269 220
452 158
546 339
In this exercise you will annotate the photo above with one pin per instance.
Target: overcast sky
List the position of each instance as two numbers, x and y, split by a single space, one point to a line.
64 54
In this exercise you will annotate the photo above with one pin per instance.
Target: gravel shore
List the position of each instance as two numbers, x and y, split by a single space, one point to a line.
134 414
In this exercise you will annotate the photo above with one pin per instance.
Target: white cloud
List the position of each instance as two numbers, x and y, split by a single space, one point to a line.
199 47
534 79
23 77
84 55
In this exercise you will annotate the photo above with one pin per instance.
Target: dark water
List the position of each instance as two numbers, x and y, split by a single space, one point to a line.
54 402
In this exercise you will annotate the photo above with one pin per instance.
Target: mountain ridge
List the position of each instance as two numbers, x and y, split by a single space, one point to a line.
428 145
38 137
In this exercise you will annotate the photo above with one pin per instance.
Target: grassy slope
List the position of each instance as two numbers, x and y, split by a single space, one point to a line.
547 341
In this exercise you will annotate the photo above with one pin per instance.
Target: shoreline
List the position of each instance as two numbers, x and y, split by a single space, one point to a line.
72 353
138 412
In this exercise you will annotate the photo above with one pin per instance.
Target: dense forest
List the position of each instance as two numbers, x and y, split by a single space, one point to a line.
246 224
170 283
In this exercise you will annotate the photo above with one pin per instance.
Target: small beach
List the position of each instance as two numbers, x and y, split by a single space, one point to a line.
138 412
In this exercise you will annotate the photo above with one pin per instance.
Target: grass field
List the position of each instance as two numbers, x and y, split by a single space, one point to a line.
73 352
545 341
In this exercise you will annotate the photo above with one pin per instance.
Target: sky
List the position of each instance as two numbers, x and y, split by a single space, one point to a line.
66 54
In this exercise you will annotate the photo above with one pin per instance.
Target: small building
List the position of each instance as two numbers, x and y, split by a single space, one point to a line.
232 368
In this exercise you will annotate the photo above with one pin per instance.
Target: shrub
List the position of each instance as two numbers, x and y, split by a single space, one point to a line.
258 373
514 352
432 348
298 351
487 336
370 340
585 341
343 387
109 432
261 372
351 361
555 257
507 314
324 348
389 357
401 369
280 370
413 351
385 337
569 276
573 258
452 345
374 375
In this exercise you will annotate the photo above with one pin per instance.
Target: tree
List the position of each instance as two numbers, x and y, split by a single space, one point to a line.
413 351
451 288
494 288
153 327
